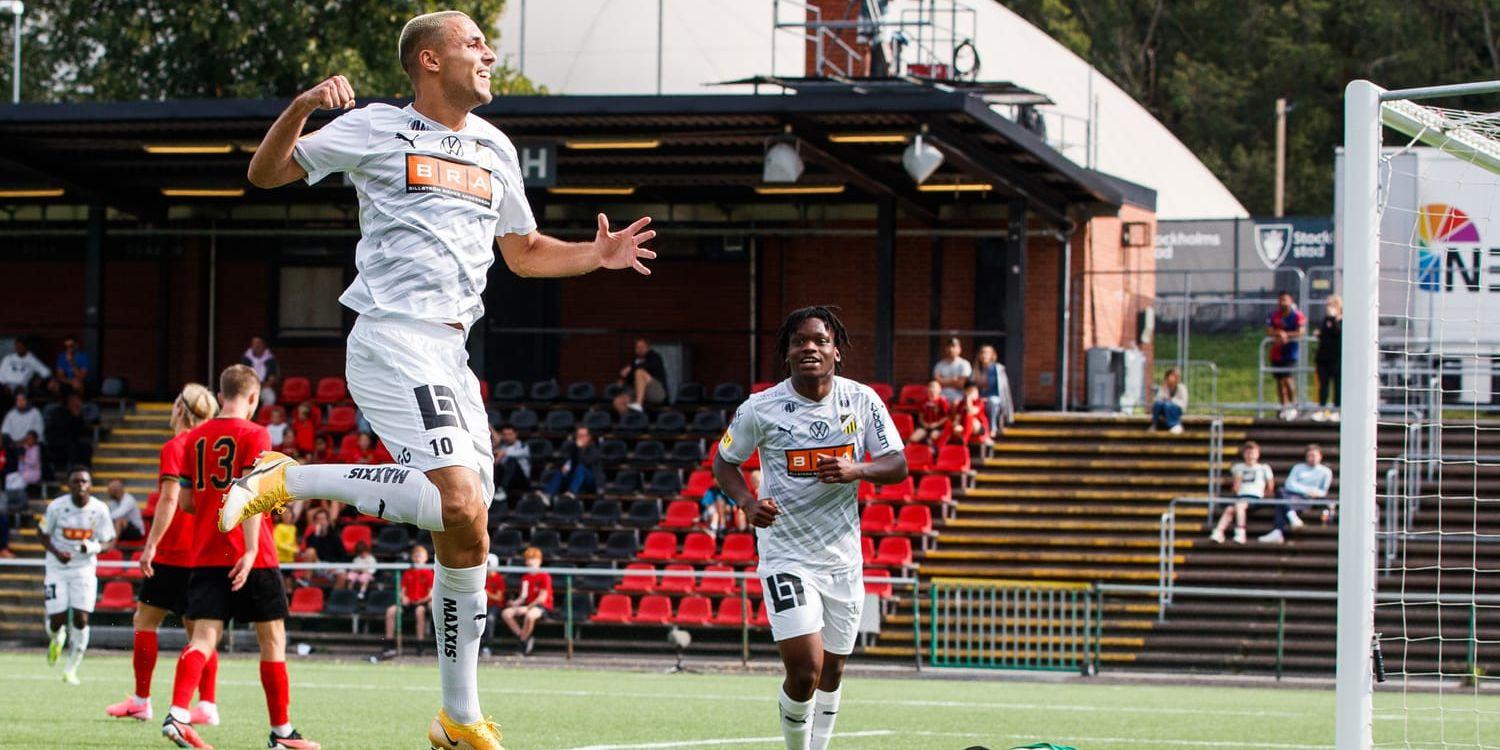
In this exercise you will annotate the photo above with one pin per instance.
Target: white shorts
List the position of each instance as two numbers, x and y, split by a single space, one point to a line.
70 589
800 603
411 380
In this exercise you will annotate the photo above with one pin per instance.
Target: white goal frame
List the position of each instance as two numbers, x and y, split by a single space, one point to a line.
1367 109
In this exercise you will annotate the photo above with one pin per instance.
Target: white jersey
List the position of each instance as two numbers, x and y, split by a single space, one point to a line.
69 526
818 528
431 202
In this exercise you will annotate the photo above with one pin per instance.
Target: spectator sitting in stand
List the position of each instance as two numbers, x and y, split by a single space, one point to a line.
952 371
494 595
70 437
970 422
512 462
19 369
361 569
1307 480
645 378
322 453
1252 481
620 404
28 465
259 358
284 535
582 470
125 512
416 596
363 451
305 427
720 512
72 371
23 419
531 602
278 427
934 419
994 388
1171 401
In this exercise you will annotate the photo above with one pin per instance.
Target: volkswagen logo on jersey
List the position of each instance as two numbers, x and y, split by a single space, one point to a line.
819 429
453 146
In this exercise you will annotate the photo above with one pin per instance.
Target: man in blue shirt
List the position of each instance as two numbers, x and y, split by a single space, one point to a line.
72 371
1286 325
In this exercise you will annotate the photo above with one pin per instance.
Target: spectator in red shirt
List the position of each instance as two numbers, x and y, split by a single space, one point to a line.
1287 326
416 596
934 421
531 602
304 427
363 451
494 594
972 423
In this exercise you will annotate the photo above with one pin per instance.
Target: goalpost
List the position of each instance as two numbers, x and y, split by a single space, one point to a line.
1421 341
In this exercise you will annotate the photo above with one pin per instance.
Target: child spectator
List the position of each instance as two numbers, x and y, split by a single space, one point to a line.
494 594
1307 480
971 423
934 418
361 569
305 427
278 426
720 511
416 595
1252 480
363 451
285 536
531 602
1171 401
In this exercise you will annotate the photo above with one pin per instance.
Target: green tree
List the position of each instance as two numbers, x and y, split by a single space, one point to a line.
1211 71
112 50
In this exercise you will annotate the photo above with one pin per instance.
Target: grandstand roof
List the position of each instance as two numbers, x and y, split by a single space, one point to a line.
710 148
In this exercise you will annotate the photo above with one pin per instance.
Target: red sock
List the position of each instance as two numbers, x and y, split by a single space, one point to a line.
189 674
278 693
143 657
208 686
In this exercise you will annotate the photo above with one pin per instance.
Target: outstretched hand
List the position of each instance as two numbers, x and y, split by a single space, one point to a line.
623 249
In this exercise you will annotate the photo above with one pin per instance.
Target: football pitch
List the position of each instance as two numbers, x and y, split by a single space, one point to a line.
361 705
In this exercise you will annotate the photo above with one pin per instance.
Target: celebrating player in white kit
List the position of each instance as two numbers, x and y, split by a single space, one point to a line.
819 435
75 529
437 188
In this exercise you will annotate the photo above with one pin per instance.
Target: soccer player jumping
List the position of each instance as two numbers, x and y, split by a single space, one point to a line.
437 187
819 435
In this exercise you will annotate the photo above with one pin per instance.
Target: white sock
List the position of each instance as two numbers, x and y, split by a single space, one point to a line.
825 713
796 724
138 700
181 714
458 615
395 493
78 642
282 730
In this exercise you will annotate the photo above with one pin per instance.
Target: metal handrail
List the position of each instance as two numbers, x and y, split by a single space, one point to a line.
1215 455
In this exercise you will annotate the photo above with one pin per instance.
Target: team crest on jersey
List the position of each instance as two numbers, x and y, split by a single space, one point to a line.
788 407
726 441
851 424
432 174
803 462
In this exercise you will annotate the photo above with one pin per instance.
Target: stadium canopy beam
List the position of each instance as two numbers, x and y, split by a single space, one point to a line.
975 157
79 187
870 175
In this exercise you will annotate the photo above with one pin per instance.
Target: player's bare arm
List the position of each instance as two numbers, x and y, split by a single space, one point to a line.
538 255
888 469
166 510
273 165
761 513
241 570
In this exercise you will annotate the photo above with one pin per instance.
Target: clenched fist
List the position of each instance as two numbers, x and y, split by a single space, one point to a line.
333 93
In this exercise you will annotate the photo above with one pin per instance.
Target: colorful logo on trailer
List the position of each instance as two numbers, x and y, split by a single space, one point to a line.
1439 223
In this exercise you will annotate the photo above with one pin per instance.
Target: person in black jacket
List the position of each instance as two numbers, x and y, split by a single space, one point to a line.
1329 360
582 470
645 377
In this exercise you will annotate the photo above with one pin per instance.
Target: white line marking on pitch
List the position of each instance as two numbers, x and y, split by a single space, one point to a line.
725 741
1131 740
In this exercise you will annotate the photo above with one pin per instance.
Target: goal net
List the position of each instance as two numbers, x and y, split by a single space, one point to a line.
1419 535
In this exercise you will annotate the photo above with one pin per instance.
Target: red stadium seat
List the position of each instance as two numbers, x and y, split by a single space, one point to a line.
698 483
653 610
753 587
730 614
918 457
753 462
761 386
913 395
738 548
914 519
713 451
660 545
935 488
307 600
953 458
331 391
904 424
639 578
884 391
694 610
867 548
349 446
894 552
382 455
899 492
877 518
681 514
678 584
263 416
294 391
117 595
866 492
697 548
354 533
762 620
878 582
111 571
613 608
132 572
714 585
341 420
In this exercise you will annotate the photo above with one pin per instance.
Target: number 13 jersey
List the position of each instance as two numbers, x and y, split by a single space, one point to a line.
214 454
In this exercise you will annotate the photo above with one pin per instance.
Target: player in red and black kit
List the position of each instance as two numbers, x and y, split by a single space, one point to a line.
235 576
166 562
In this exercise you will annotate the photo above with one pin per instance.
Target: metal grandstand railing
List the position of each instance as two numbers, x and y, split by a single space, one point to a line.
1007 624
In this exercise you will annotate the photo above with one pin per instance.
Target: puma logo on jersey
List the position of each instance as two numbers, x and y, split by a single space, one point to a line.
410 140
787 430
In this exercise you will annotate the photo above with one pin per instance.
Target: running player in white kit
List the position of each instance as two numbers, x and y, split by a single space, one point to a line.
438 187
819 435
74 530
